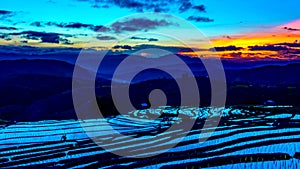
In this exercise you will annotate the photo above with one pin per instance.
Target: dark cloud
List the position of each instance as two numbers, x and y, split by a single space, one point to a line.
23 50
100 28
105 37
5 37
138 24
291 29
24 41
100 6
289 52
200 8
2 36
268 47
148 6
8 28
72 25
37 24
172 49
185 6
75 25
181 6
140 38
253 56
130 4
199 19
295 44
4 12
126 47
65 41
152 39
137 5
226 48
227 37
43 36
234 55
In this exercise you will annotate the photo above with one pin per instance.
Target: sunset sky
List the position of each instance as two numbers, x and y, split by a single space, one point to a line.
237 29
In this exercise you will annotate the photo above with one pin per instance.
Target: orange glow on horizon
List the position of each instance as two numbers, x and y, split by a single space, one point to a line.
259 39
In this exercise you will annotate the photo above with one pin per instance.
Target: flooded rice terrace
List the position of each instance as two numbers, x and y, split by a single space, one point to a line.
245 137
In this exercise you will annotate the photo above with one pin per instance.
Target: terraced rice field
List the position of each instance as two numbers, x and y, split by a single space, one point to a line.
259 137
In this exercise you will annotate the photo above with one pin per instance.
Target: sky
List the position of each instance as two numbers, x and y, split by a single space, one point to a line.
235 29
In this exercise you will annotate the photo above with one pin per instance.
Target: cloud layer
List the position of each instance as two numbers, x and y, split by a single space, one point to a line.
138 24
199 19
71 25
144 39
43 37
180 6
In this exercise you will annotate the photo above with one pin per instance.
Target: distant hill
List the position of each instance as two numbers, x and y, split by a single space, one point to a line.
270 75
39 89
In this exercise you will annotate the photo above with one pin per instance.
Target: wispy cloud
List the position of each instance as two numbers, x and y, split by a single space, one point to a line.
147 39
291 29
123 47
4 12
71 25
199 19
8 28
295 44
186 5
290 26
227 48
44 37
268 47
106 37
149 6
5 37
139 24
200 8
130 25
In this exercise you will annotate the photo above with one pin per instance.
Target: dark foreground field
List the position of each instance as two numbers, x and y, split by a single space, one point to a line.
247 137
